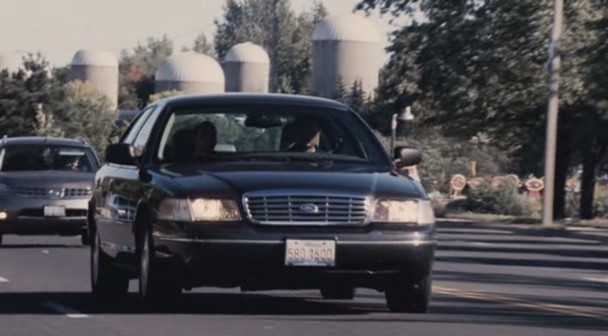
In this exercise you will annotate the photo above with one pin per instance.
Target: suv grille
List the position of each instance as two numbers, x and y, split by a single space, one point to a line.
34 192
306 209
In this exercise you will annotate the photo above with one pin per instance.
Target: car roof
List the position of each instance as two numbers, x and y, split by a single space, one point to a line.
253 98
36 140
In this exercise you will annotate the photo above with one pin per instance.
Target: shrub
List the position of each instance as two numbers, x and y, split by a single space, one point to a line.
600 203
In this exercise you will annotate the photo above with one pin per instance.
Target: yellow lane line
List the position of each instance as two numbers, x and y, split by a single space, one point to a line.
547 307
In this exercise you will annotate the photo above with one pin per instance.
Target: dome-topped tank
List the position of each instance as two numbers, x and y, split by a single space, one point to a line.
98 68
346 49
191 73
247 68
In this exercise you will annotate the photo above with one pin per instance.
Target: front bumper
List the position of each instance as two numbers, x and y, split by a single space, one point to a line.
363 259
25 216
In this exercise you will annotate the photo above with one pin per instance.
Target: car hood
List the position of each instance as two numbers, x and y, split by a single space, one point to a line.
46 178
226 180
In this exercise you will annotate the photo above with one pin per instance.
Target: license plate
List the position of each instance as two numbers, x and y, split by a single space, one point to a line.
310 253
54 211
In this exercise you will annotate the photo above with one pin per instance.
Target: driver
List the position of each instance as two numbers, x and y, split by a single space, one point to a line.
306 137
205 139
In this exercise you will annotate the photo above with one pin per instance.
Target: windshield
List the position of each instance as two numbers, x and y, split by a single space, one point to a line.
45 157
267 132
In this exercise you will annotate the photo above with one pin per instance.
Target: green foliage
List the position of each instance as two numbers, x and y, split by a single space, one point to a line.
253 21
22 94
137 69
164 94
600 205
84 113
504 200
481 66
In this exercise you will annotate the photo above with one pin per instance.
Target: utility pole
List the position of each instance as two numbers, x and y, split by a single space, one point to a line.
274 52
552 113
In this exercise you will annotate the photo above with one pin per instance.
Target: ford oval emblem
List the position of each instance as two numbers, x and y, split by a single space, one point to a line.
309 208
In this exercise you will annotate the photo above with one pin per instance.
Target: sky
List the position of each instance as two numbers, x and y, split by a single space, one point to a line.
58 28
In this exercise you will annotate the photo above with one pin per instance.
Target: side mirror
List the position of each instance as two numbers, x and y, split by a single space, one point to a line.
407 156
121 153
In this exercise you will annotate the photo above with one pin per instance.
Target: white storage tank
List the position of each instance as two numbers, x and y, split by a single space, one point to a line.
191 73
247 68
346 48
99 69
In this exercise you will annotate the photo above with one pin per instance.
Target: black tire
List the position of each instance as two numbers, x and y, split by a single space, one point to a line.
403 298
84 238
157 281
338 293
0 240
107 280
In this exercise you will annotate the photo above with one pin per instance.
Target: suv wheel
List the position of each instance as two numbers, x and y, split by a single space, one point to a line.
338 293
157 283
404 298
107 281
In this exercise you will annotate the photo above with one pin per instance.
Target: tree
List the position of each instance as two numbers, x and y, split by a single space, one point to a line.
164 94
22 93
252 20
480 67
203 46
137 70
84 113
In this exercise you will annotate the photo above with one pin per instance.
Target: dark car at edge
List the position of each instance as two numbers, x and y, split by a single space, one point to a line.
295 192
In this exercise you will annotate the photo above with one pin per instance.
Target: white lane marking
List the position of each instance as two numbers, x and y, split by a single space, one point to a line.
3 279
67 311
480 244
605 279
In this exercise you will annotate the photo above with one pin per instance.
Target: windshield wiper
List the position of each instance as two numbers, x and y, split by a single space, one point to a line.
305 157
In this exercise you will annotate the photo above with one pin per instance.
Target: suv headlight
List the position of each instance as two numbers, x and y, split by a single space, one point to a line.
200 209
404 211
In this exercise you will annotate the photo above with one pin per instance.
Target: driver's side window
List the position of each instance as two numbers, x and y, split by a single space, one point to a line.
133 130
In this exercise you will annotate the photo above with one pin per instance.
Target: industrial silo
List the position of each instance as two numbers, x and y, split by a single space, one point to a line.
247 68
99 69
346 49
190 73
12 62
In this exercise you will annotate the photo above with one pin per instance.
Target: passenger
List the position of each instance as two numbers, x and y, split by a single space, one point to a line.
205 139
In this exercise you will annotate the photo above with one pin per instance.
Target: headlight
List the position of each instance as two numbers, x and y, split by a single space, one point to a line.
4 189
404 211
200 209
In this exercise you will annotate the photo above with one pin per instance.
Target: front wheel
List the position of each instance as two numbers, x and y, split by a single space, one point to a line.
404 298
157 283
107 281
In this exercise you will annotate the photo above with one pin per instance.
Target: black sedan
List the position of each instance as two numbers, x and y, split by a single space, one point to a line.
259 191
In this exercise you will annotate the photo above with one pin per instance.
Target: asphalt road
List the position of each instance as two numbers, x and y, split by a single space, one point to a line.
488 281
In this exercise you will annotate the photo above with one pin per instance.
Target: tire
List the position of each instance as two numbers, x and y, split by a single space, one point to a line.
402 298
338 293
84 237
157 282
107 281
0 240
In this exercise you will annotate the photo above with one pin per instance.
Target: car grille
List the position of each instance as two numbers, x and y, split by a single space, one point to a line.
35 192
306 209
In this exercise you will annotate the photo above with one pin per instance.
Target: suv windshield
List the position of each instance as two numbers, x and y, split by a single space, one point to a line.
45 157
268 132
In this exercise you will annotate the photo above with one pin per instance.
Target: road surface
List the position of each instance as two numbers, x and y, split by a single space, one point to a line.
489 280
